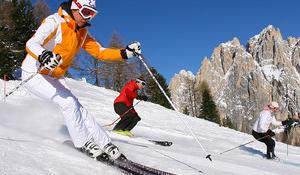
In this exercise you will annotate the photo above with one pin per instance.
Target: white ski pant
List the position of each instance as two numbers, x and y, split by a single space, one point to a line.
81 125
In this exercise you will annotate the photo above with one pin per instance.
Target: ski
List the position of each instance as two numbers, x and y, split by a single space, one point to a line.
126 168
283 161
161 143
129 167
133 139
277 159
125 165
137 168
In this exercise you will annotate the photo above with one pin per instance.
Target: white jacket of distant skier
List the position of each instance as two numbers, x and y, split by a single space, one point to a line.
263 121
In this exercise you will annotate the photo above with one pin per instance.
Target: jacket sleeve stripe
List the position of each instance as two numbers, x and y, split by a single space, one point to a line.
50 37
45 32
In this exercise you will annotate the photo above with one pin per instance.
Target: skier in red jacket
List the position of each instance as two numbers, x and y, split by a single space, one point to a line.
123 106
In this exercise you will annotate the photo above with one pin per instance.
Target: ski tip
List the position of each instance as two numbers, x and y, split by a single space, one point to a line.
162 143
209 157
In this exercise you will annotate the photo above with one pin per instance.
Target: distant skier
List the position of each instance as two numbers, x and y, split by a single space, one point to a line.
51 51
123 106
261 126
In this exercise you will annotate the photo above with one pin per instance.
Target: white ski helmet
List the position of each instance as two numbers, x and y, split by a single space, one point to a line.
141 81
86 8
274 104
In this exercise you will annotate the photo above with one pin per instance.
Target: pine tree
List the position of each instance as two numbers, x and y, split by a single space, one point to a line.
208 109
226 122
18 27
153 91
6 24
197 99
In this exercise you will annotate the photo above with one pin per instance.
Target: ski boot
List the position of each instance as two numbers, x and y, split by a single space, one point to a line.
274 157
94 151
113 152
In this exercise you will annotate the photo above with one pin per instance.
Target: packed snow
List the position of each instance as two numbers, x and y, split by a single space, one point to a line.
33 137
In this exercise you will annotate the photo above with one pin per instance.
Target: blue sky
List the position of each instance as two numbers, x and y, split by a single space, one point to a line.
178 34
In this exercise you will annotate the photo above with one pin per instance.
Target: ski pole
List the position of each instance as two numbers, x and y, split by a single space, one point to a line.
296 124
140 56
121 116
41 67
179 161
243 144
20 85
4 90
287 145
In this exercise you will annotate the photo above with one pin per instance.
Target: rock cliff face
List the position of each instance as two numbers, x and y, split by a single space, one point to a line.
243 79
180 87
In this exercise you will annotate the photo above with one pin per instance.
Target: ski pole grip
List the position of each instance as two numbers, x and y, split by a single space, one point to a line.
209 157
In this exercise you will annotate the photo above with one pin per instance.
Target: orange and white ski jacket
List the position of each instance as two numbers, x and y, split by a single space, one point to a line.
58 34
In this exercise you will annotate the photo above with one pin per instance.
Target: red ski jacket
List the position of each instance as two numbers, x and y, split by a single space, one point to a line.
128 94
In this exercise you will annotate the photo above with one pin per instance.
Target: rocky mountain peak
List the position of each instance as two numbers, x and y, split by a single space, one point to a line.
267 34
293 42
180 88
244 79
268 47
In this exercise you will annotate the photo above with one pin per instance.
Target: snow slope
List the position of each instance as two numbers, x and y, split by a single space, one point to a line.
32 136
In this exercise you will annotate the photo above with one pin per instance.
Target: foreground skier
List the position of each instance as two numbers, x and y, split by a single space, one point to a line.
51 51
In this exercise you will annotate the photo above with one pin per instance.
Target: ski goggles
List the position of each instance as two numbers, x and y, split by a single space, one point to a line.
142 82
276 109
87 12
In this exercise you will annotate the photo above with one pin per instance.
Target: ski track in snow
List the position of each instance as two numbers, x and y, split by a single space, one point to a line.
32 136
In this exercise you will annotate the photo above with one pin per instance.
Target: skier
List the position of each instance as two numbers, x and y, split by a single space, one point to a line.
50 53
261 126
123 106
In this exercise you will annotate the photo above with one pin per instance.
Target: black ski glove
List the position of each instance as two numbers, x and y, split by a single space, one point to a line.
142 97
49 60
288 122
270 133
133 49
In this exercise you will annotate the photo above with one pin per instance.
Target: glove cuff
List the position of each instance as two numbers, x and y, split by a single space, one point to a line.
124 54
285 122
